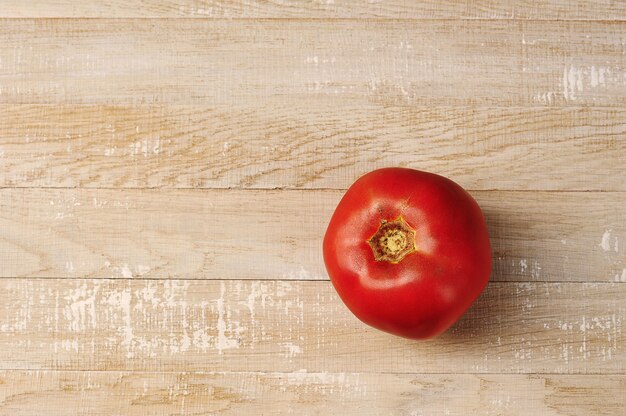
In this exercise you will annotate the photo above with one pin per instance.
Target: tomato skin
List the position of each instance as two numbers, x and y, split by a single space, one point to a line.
429 289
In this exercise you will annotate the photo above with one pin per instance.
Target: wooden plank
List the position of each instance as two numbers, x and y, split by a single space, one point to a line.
256 147
238 325
54 393
321 63
446 9
252 234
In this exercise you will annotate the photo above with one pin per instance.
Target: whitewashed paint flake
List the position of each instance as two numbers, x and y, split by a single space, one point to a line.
223 342
125 271
577 79
291 350
607 239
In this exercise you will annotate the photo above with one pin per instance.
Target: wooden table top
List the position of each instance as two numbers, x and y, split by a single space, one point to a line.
168 168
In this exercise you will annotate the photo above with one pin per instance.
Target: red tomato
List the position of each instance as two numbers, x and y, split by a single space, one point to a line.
407 251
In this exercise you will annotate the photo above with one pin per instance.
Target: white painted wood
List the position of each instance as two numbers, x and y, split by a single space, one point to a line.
277 63
95 318
328 9
263 234
235 325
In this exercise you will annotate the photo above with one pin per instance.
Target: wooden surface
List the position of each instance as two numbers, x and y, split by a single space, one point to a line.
168 168
326 9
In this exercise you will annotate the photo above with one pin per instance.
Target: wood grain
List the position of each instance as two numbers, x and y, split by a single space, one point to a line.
271 63
150 265
175 146
239 325
33 393
328 9
250 234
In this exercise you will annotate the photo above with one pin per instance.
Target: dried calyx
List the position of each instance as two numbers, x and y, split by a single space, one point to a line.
393 241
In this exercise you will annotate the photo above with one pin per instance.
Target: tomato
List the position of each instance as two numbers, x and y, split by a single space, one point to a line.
407 251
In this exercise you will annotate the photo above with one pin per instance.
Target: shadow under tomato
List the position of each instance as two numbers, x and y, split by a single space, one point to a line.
486 316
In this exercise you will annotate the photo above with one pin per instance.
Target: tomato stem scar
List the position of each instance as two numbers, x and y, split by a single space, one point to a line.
393 241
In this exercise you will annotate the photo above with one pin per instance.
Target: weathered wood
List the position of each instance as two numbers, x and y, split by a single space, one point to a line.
328 9
315 62
263 234
309 146
240 325
54 393
148 265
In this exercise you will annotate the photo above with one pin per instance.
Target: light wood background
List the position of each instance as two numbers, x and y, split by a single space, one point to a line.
168 168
